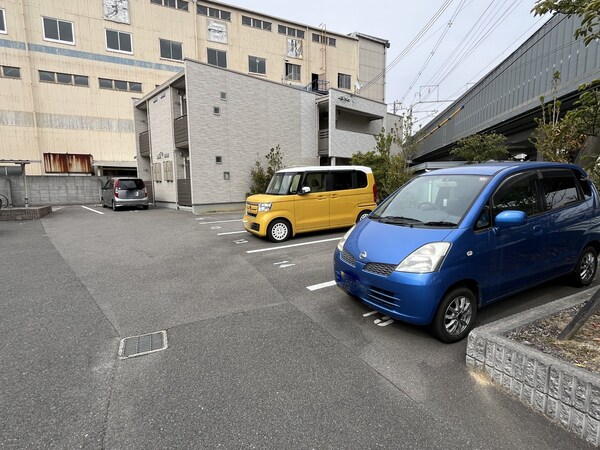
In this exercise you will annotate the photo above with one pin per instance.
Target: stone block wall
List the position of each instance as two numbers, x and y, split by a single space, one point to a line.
565 393
54 190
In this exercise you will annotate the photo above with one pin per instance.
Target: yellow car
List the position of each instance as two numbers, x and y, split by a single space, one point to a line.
304 199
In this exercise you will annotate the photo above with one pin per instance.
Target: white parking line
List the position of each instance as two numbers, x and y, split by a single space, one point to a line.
231 232
314 287
93 210
219 221
292 245
370 313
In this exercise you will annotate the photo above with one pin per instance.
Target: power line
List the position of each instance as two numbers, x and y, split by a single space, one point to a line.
493 15
435 47
409 47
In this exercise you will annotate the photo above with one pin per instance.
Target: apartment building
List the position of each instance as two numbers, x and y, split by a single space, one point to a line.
71 71
200 134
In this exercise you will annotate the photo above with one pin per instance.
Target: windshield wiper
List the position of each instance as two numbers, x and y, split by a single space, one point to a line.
399 220
440 224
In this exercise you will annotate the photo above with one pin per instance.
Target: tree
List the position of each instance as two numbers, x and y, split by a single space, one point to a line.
391 170
588 10
383 163
481 147
586 116
261 177
587 109
555 138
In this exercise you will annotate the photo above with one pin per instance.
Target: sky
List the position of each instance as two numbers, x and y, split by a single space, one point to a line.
428 62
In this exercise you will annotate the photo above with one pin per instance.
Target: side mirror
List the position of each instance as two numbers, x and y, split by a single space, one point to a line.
507 219
304 190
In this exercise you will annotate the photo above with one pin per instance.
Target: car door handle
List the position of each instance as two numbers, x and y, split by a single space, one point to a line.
538 229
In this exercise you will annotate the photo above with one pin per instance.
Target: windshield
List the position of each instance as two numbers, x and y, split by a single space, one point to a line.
431 200
284 183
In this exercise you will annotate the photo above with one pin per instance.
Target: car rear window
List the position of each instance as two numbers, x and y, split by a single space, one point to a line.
131 184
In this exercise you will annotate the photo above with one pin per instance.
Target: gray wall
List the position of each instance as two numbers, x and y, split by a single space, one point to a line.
256 116
52 190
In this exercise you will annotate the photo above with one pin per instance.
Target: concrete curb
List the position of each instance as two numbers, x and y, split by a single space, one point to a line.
30 213
566 394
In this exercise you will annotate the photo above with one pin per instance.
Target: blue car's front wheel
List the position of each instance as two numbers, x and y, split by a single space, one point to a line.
455 315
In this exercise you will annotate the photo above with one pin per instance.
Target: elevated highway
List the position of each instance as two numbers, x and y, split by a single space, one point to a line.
507 99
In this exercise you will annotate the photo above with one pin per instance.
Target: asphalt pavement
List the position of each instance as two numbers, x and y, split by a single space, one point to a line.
263 351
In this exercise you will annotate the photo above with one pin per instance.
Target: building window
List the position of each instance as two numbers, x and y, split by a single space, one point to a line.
171 50
118 41
119 85
2 22
256 23
294 48
58 30
10 72
213 12
224 96
257 65
289 31
177 4
63 78
216 110
323 39
344 81
219 159
217 57
292 72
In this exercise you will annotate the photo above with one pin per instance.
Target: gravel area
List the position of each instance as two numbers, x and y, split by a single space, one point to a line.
583 349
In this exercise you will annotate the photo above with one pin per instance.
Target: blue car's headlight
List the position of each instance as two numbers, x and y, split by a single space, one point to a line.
425 259
340 245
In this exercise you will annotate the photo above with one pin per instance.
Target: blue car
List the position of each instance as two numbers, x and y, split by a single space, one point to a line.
451 241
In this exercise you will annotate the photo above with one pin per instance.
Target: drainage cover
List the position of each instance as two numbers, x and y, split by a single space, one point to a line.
142 345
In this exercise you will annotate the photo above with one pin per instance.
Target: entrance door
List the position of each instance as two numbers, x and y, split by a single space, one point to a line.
315 82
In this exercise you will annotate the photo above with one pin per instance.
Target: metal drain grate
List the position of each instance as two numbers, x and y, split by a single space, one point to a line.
142 345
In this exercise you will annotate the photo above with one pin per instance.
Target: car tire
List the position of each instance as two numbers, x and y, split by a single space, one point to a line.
102 202
455 315
114 207
362 215
585 270
279 230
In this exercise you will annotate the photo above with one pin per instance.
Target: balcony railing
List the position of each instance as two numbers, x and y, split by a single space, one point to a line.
324 142
144 142
180 131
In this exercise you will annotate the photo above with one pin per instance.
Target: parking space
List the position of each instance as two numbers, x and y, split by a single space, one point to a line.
258 336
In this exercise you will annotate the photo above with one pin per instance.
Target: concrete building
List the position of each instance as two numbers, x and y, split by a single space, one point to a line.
200 133
71 70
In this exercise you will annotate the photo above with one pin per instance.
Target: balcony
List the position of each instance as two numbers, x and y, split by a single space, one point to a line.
144 143
180 131
324 142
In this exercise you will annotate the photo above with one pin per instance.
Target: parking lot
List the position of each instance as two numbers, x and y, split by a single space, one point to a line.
263 350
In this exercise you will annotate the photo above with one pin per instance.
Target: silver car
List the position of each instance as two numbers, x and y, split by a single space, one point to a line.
121 192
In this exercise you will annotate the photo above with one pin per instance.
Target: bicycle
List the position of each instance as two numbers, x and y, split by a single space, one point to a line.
3 201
